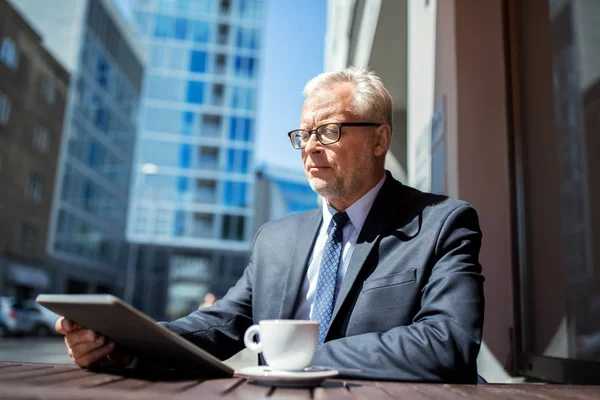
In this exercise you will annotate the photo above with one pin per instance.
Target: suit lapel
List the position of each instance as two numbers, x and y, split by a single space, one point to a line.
387 203
306 234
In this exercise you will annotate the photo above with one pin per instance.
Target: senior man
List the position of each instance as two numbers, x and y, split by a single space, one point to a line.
391 273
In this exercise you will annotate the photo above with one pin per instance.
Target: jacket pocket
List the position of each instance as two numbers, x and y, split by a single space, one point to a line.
390 280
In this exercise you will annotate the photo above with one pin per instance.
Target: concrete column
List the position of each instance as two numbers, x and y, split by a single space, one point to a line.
470 77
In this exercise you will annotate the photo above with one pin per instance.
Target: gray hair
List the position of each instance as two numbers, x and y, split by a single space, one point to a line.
372 100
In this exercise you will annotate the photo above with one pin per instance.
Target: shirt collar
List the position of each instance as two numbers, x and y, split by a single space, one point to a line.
358 211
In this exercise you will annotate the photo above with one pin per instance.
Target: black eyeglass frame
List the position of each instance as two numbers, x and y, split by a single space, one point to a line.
340 125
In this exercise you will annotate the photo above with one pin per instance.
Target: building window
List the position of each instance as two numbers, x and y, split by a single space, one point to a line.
240 129
208 158
242 98
247 38
238 160
195 92
206 190
202 225
162 222
201 32
234 194
233 227
211 126
28 236
48 91
181 28
225 7
198 61
41 139
4 109
220 64
35 188
102 72
218 94
8 53
244 66
141 220
223 36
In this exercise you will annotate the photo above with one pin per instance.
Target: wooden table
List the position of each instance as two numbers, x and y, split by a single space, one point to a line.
65 382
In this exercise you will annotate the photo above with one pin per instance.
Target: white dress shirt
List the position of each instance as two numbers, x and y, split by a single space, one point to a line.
357 213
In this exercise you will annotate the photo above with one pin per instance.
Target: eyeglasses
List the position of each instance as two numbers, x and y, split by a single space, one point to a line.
327 133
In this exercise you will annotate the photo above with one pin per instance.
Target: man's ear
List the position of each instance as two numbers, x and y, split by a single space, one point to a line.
383 139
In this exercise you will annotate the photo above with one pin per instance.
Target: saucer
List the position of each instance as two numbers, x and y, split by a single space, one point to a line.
265 375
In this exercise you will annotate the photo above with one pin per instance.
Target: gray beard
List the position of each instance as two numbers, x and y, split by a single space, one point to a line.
338 188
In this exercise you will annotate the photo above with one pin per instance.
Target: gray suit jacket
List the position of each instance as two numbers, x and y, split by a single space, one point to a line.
410 306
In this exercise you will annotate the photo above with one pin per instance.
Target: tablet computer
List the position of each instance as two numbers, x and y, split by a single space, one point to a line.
137 333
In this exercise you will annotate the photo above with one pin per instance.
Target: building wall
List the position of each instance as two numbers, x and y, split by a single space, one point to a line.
29 145
470 77
89 221
87 227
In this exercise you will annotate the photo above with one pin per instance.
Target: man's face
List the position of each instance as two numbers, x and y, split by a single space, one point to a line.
340 170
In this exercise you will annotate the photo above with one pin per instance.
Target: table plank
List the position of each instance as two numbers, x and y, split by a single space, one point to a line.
8 364
4 366
249 391
406 391
519 392
571 392
366 390
92 380
19 392
23 371
291 394
334 390
544 391
57 377
213 388
172 387
127 384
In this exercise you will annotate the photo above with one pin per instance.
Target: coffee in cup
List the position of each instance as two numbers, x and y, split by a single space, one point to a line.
286 344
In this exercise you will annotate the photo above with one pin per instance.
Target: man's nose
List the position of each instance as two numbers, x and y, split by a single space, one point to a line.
313 145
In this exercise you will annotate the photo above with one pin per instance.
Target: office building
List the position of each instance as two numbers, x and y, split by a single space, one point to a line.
281 192
86 241
33 94
191 211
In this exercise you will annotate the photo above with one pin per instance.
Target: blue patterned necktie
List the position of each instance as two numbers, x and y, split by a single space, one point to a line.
325 293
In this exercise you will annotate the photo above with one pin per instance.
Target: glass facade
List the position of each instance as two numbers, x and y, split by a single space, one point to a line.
297 196
197 120
194 182
91 215
564 272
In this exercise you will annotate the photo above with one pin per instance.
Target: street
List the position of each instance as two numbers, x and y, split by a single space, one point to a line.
42 350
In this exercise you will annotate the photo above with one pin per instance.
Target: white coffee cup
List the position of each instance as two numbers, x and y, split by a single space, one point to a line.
286 344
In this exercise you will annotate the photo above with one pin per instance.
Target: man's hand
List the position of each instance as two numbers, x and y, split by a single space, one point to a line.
87 347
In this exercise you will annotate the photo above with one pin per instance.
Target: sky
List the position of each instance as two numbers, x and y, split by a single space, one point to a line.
293 41
292 53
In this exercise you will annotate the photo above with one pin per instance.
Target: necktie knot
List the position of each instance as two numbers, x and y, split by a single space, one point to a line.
340 219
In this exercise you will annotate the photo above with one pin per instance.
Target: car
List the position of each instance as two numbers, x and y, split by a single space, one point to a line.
33 319
8 317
